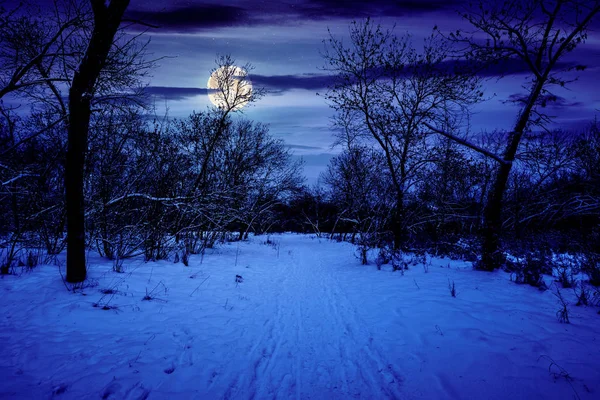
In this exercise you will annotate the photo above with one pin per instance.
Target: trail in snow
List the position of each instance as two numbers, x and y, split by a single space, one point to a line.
314 343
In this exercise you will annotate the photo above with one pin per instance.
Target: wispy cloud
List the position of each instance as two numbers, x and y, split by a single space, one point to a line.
202 16
192 17
281 83
175 93
547 100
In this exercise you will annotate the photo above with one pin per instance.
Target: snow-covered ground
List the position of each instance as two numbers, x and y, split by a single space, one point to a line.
306 322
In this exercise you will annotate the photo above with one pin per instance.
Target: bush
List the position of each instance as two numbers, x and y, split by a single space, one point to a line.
32 260
563 312
566 267
583 295
590 264
465 249
530 269
385 256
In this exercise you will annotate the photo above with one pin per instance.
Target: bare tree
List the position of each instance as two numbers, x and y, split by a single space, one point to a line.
361 188
28 44
386 90
539 34
232 90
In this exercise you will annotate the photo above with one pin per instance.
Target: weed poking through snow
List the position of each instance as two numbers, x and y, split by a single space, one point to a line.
452 288
558 372
151 295
238 280
198 287
439 330
563 312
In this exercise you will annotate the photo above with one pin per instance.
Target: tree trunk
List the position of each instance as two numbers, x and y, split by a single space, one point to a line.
79 118
491 255
107 19
398 227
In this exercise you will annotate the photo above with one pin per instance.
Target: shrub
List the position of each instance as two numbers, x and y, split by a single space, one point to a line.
590 264
530 269
32 260
563 312
583 295
566 268
385 256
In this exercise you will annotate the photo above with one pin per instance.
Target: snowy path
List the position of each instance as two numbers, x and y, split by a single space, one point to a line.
307 322
313 342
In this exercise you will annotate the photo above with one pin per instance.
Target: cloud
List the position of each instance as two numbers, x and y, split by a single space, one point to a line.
302 147
175 93
192 17
281 83
202 16
315 160
275 84
321 9
547 100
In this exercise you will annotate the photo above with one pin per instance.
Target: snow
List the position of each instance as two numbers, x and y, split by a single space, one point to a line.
306 322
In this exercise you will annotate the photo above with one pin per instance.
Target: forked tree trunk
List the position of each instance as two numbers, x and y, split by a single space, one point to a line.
107 19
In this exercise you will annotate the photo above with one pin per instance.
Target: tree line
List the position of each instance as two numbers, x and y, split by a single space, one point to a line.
90 166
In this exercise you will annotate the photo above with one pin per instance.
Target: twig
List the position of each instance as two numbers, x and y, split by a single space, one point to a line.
561 373
198 287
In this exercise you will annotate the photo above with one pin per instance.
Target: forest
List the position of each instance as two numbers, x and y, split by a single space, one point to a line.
83 154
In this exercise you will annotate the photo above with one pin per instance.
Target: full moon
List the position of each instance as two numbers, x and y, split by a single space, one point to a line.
229 87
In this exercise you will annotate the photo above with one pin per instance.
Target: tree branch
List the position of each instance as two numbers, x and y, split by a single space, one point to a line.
468 144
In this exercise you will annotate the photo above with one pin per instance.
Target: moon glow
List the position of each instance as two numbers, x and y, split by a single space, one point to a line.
229 88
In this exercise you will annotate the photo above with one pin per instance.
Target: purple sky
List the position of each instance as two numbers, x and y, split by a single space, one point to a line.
283 40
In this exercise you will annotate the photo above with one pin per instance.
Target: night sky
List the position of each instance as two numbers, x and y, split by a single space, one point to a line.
284 40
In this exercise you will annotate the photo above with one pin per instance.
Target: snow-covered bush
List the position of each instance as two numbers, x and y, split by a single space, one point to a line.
566 268
583 294
530 268
457 248
590 264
